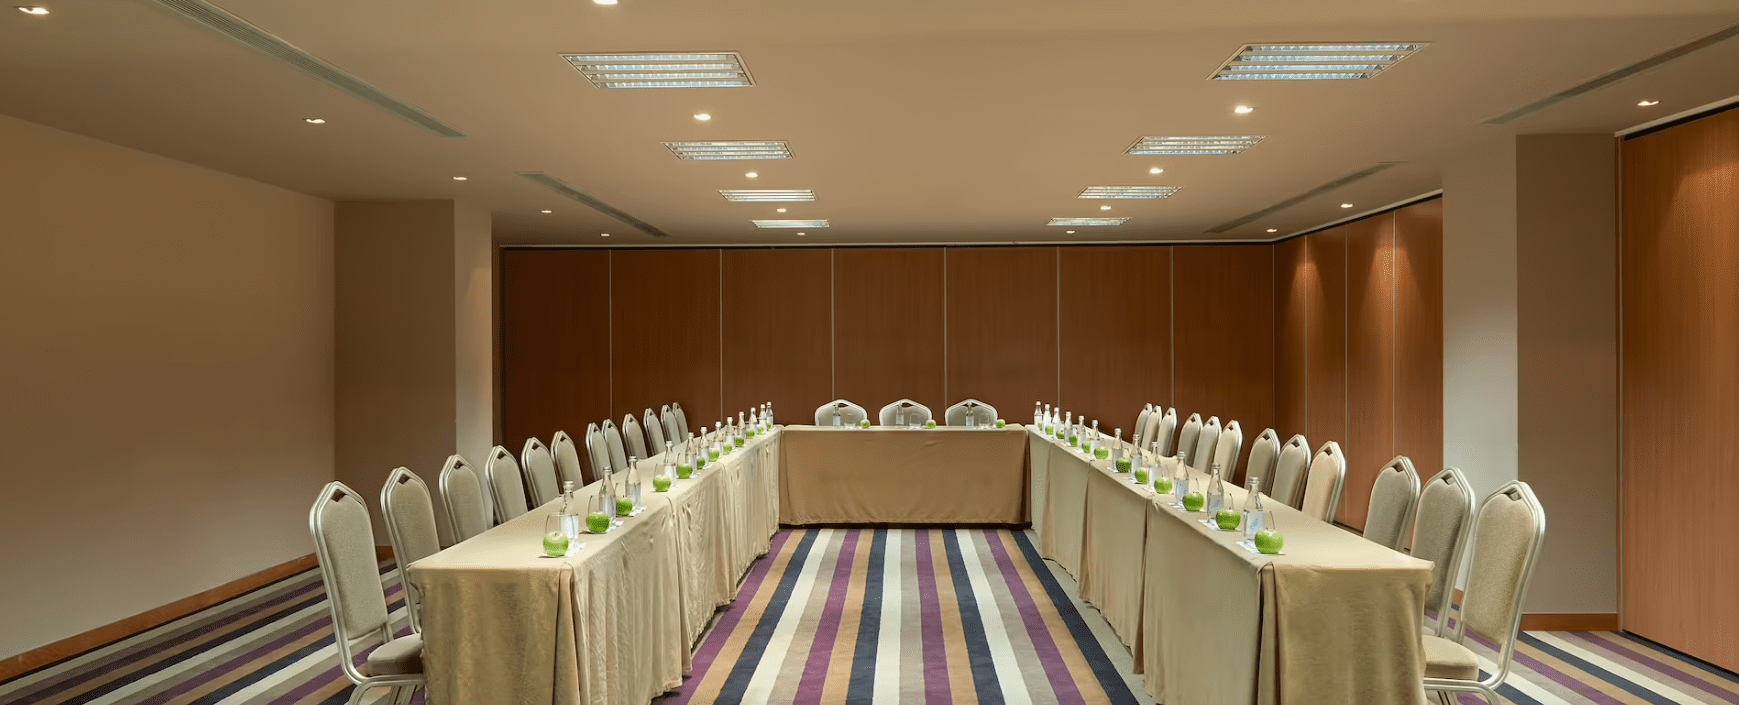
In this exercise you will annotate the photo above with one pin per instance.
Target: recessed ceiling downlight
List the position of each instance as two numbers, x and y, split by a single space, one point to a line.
1129 191
719 151
1194 145
614 71
32 10
767 195
791 224
1085 222
1313 62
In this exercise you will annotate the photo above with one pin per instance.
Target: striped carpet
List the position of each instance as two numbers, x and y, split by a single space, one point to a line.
832 616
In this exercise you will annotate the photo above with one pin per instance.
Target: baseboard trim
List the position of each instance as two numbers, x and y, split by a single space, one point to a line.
1596 622
28 661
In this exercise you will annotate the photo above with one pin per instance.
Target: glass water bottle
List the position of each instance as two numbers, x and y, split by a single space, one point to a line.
1180 483
670 460
632 490
1216 493
1253 509
1038 416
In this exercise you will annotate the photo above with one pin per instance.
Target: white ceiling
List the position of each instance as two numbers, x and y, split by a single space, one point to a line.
914 121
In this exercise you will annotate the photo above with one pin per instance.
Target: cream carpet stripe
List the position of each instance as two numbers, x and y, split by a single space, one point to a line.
1616 668
173 673
1002 657
887 684
760 688
310 665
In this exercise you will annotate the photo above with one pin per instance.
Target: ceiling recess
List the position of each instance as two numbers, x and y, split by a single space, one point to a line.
1344 61
768 195
1616 75
242 32
1085 222
792 224
1193 145
566 189
723 69
1141 192
1300 198
721 151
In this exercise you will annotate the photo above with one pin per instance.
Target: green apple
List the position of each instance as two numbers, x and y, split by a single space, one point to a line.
1101 453
684 471
1049 430
1000 424
712 455
699 462
738 442
728 447
1141 476
1193 502
597 522
1269 541
1123 465
555 544
625 506
750 432
1073 441
930 423
661 484
863 424
1227 519
1162 485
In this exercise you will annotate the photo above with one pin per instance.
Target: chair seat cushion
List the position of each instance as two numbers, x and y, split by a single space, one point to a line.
400 656
1447 659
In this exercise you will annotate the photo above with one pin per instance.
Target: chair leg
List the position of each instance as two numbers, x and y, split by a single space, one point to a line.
1490 696
402 694
356 693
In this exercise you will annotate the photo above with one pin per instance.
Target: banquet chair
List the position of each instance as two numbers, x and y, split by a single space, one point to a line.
654 432
668 419
682 426
849 414
503 473
1138 435
1186 438
410 526
1393 497
956 414
1264 451
1439 530
567 459
1226 450
1507 535
344 544
464 498
916 414
633 437
539 467
1322 484
613 444
1161 429
1289 470
1203 455
597 453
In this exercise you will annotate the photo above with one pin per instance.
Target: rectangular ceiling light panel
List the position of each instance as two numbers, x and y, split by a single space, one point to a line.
1193 145
791 224
715 70
1313 62
767 195
1129 191
1085 222
716 151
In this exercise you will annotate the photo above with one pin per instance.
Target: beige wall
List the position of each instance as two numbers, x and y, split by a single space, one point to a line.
169 379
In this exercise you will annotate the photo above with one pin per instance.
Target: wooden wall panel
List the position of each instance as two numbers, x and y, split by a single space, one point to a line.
778 333
1294 282
888 334
1679 259
1419 335
1370 440
664 340
555 353
1114 364
1326 331
1224 334
1002 327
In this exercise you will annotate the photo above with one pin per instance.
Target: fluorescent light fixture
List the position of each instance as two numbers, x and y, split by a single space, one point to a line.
791 224
711 70
717 151
1086 222
1129 191
1313 62
767 195
1193 145
32 10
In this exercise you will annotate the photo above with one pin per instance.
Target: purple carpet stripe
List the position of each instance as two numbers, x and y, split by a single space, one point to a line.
1659 669
1050 657
1564 680
727 622
936 688
827 630
307 687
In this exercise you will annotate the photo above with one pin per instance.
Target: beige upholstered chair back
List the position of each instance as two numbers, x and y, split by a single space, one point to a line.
1142 420
681 419
541 483
1226 450
410 526
849 414
1393 497
1264 453
1507 534
1187 437
596 452
1439 530
915 413
567 458
1162 429
654 432
1289 471
466 501
671 430
1328 470
613 444
503 473
1206 441
634 438
956 414
344 543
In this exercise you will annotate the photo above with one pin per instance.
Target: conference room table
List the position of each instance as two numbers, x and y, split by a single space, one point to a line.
1332 619
612 622
896 475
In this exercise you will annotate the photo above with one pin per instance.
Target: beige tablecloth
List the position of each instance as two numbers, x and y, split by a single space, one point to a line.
611 623
945 475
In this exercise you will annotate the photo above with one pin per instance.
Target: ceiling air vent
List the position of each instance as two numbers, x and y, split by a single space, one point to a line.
566 189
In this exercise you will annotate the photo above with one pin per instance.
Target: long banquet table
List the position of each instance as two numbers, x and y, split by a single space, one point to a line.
611 623
886 475
1333 619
